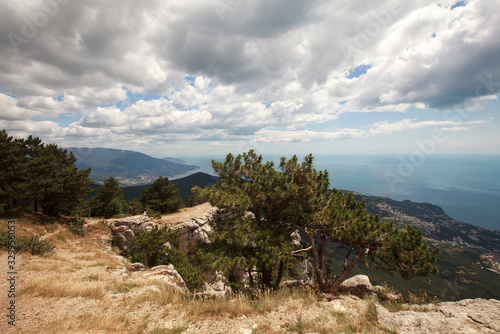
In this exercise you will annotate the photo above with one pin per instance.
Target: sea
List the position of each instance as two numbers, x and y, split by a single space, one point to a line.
466 187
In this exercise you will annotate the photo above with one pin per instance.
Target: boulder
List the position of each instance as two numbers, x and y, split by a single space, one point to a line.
359 282
167 275
124 228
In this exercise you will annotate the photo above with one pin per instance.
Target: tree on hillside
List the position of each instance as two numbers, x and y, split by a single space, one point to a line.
44 175
162 196
344 223
56 184
260 208
13 176
255 227
109 200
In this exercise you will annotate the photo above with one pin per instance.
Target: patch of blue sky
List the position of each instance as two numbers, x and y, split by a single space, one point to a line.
4 91
133 98
358 71
190 108
64 119
190 80
460 3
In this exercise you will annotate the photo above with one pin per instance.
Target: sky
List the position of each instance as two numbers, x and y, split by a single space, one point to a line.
185 78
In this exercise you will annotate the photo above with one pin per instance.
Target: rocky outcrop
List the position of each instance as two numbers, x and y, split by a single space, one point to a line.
467 316
167 275
192 231
125 228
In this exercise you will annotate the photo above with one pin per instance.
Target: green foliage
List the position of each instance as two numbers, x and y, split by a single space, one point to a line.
109 200
77 226
4 240
346 223
162 196
34 245
196 197
115 240
39 174
192 274
459 277
257 215
151 249
138 208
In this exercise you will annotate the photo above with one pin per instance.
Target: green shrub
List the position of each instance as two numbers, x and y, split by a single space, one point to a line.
153 242
4 240
34 245
190 273
115 240
77 226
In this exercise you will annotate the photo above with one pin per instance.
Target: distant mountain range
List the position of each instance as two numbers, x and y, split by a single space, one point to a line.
130 168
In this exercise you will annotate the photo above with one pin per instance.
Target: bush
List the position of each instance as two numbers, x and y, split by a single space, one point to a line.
115 240
191 274
34 245
76 226
4 240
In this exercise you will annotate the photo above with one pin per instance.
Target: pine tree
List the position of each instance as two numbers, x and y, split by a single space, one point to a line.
256 220
56 184
13 167
162 196
41 174
109 199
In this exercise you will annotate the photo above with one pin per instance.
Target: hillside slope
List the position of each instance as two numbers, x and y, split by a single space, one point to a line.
85 287
128 167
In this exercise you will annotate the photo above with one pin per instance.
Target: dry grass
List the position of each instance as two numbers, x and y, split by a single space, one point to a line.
58 285
92 321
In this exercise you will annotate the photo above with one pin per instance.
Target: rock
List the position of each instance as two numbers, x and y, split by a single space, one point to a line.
137 266
465 316
124 228
121 272
215 284
167 275
192 231
358 281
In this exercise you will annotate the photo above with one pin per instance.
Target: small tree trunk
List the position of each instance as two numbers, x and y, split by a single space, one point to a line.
146 256
336 283
280 275
320 273
250 278
267 277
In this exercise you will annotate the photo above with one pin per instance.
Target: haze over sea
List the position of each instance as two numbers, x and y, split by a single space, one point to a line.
466 187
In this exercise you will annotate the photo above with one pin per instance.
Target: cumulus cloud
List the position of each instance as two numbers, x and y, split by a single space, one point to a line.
229 70
377 129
